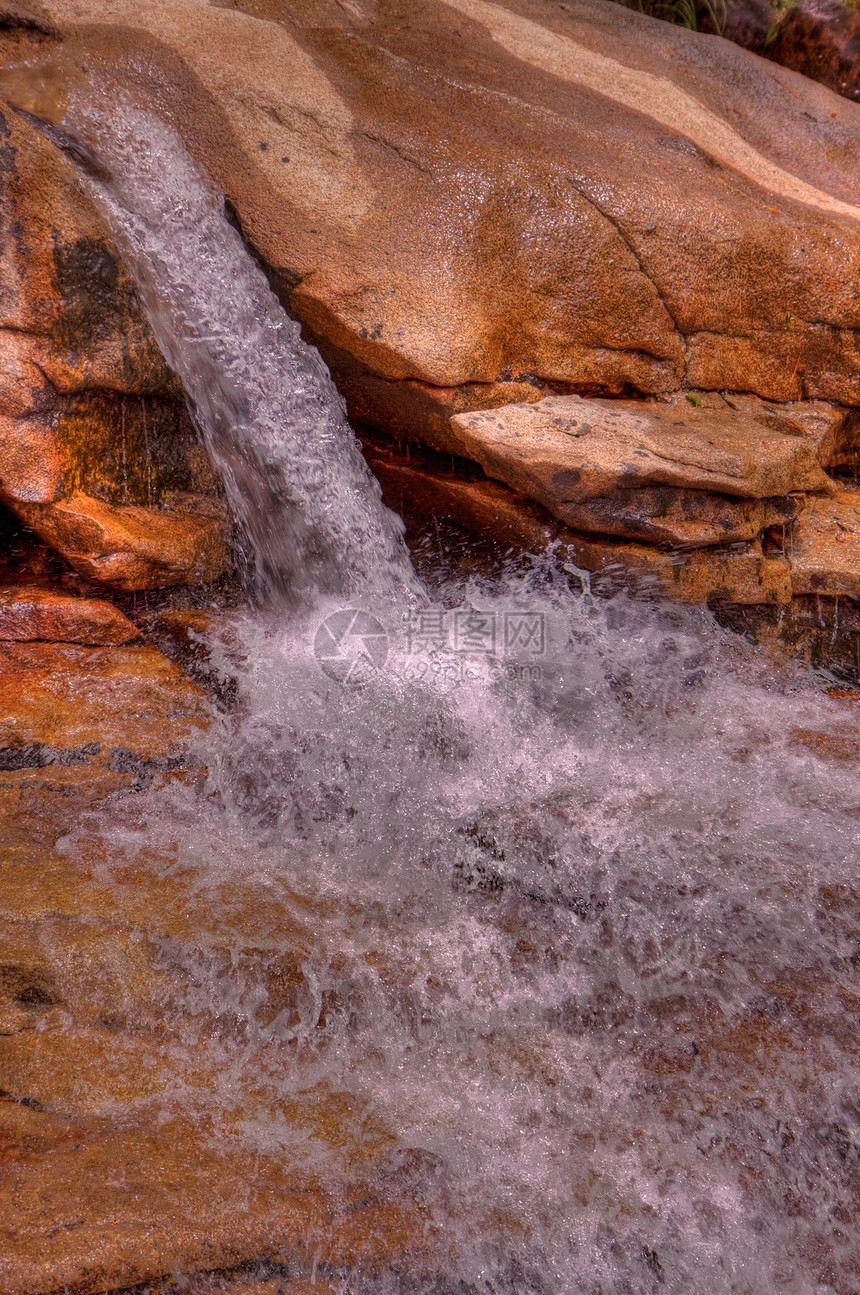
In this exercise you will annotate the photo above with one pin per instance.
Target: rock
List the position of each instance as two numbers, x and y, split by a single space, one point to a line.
32 612
137 701
471 194
88 405
825 547
131 547
507 519
821 39
644 471
832 430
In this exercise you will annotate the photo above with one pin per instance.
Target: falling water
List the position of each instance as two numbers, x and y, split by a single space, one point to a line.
581 916
272 419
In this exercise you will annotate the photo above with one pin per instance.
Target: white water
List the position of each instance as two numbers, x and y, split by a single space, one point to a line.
582 927
270 415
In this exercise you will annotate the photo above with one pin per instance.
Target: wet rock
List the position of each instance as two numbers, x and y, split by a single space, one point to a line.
506 519
608 200
645 471
825 546
88 405
93 718
131 547
821 39
32 612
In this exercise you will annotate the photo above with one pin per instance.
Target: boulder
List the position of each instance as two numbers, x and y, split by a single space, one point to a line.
505 519
825 547
461 194
130 547
32 612
676 475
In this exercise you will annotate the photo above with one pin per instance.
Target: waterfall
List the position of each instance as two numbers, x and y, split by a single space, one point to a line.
272 420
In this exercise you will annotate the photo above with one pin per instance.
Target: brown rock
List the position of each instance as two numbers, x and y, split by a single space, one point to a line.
821 39
472 193
825 546
87 403
644 471
136 701
508 519
132 547
32 612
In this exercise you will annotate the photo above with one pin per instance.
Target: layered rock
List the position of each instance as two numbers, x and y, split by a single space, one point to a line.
32 612
682 477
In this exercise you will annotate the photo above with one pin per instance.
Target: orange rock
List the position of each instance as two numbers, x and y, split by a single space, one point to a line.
132 547
506 518
32 612
825 546
479 191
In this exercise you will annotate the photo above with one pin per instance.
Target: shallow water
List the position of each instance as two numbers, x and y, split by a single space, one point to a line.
583 938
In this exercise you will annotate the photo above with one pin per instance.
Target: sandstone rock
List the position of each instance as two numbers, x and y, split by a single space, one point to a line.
821 39
32 612
605 199
825 547
644 471
132 547
507 519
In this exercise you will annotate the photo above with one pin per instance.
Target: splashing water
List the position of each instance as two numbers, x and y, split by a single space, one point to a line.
578 927
272 420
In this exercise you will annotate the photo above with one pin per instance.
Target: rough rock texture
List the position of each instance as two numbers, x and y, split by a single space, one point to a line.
821 39
131 547
88 406
32 612
825 547
645 471
66 711
508 520
464 194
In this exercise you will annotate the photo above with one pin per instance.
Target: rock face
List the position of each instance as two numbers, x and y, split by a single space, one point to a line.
466 195
681 477
94 435
825 547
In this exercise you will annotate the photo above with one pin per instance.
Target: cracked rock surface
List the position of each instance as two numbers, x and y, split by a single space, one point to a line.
465 194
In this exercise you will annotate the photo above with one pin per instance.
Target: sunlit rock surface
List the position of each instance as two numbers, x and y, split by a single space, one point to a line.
467 192
668 474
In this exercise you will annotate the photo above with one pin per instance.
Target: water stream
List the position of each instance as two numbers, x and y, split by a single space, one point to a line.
585 921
